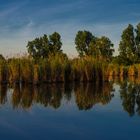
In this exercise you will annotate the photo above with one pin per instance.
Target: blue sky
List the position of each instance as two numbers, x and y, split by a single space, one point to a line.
21 21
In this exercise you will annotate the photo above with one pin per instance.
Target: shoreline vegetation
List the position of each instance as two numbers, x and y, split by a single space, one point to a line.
46 62
60 70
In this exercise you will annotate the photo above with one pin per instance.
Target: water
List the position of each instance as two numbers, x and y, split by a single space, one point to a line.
73 111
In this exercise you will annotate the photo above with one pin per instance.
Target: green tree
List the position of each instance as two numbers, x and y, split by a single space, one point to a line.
137 41
42 47
39 47
55 42
127 47
102 48
82 41
87 44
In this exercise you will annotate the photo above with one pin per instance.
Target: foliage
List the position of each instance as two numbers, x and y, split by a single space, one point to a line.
102 48
137 42
43 46
129 47
89 45
82 41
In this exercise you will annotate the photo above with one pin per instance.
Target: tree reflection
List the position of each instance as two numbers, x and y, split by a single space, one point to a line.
49 95
130 95
88 95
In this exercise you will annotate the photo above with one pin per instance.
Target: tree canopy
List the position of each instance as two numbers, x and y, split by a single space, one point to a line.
82 41
43 46
88 44
129 47
101 48
137 40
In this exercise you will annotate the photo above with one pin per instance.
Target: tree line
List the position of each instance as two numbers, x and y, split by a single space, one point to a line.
88 44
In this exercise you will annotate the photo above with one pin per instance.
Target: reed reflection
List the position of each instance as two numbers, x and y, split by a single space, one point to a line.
3 94
86 95
22 96
46 95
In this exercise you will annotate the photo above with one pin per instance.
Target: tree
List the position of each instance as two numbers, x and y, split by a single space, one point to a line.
42 47
102 48
127 47
55 42
137 41
82 41
87 44
39 47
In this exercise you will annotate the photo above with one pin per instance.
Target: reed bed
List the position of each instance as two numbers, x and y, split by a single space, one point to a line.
26 70
3 71
14 66
59 68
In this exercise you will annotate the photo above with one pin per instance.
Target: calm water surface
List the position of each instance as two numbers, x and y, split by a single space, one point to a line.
73 112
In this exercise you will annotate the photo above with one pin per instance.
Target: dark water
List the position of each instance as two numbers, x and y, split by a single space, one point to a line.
72 112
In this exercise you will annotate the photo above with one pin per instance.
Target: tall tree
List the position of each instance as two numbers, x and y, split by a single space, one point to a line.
127 47
82 41
137 40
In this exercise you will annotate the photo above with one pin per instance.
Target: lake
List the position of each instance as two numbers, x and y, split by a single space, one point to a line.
79 111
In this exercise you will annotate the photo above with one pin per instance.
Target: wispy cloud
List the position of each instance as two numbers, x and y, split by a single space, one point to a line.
11 8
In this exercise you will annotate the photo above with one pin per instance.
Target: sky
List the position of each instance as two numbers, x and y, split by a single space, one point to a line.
22 21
